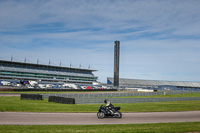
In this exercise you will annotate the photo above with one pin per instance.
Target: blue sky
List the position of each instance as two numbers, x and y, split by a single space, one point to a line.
160 40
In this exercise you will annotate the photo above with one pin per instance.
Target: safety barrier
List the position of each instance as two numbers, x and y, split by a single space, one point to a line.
62 100
31 97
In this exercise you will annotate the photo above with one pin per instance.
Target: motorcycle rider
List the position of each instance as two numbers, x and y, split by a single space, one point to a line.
109 106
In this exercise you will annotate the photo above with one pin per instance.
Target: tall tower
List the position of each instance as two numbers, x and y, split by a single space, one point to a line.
116 63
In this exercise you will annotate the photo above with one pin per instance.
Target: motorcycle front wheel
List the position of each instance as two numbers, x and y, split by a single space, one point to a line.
100 115
118 114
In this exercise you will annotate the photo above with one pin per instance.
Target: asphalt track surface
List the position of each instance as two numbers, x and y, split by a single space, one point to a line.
26 118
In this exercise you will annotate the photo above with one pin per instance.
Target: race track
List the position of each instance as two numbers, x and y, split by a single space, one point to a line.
25 118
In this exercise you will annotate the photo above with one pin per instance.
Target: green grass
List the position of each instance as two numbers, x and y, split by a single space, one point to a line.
118 128
14 104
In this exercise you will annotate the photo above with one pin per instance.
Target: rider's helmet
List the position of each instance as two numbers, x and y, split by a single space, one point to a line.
105 101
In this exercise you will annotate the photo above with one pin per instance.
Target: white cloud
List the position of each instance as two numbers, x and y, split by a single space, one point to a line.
156 15
159 39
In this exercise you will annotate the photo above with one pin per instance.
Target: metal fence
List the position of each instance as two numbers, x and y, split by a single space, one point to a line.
115 97
133 100
115 94
104 95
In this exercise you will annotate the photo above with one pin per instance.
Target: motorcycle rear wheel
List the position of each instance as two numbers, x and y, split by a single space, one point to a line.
100 115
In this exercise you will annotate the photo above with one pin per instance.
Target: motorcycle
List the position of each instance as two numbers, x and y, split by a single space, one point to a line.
103 112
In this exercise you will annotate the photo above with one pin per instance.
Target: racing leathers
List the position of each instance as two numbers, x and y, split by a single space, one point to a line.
109 107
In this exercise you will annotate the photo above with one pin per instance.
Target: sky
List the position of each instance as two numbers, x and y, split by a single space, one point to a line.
159 39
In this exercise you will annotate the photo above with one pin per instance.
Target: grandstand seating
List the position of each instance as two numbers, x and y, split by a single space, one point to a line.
34 71
30 70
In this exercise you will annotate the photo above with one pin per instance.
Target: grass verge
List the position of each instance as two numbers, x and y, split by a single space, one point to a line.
14 104
118 128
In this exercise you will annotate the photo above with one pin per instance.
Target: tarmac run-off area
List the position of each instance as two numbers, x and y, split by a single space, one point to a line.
27 118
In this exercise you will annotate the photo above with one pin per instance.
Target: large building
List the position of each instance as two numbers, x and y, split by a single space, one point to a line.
154 83
10 70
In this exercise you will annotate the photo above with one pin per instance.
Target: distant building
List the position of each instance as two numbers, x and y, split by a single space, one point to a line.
10 70
155 84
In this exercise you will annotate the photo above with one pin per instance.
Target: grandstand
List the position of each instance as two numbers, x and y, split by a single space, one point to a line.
19 71
154 83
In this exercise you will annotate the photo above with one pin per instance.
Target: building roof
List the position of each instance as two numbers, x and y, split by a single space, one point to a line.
44 66
149 83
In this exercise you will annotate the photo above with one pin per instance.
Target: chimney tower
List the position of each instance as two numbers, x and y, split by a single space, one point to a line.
116 63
